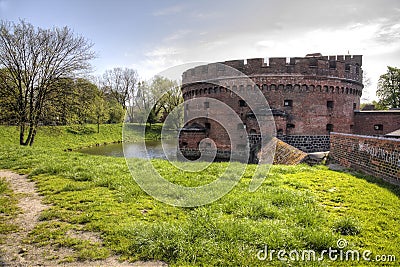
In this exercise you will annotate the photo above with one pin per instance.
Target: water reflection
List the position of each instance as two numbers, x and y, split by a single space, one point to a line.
153 149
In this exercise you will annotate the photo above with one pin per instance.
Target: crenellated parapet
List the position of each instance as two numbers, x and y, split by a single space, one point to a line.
344 67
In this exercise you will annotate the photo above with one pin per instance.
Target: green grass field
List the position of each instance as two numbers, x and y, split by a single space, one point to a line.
296 208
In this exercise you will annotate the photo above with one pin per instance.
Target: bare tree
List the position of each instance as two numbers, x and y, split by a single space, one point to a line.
120 84
34 59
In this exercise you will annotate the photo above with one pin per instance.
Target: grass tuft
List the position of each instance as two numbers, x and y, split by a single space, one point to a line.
347 226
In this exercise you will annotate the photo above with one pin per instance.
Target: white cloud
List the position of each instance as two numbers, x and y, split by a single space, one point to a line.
172 10
178 35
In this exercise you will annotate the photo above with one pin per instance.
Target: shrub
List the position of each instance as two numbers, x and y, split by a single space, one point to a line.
347 226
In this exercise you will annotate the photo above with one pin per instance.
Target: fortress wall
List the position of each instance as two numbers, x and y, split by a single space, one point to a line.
367 122
323 91
345 67
372 155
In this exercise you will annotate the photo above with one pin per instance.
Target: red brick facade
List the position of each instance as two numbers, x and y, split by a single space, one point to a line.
308 96
376 122
377 156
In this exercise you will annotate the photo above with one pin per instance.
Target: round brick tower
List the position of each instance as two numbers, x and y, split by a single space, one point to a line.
309 97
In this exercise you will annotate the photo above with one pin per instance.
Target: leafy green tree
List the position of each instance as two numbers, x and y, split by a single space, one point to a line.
389 88
100 110
8 104
115 112
73 101
376 106
35 59
156 99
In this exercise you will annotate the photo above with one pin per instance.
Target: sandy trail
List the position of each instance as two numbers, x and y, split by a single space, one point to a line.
14 252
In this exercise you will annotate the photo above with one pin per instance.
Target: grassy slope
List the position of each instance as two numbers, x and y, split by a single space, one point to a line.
297 207
8 209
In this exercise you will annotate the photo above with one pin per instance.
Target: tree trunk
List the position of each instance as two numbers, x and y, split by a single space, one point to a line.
21 134
32 136
98 124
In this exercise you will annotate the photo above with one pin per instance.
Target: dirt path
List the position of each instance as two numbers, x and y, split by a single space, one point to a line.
14 252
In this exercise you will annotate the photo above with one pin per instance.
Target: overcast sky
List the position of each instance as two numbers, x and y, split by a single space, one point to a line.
151 36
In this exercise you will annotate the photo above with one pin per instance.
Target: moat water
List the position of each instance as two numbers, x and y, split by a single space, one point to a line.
153 149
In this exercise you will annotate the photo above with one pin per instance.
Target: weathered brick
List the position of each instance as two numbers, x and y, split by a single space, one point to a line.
377 156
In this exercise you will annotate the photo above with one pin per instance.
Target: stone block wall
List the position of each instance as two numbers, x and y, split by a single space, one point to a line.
308 143
377 156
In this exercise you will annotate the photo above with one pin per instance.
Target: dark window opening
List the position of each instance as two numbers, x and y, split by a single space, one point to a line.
279 132
313 62
329 127
289 125
354 106
329 104
184 144
207 125
206 104
253 131
378 127
242 103
332 64
288 103
347 68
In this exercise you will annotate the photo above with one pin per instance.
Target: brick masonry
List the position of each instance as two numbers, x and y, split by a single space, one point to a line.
376 156
369 122
308 97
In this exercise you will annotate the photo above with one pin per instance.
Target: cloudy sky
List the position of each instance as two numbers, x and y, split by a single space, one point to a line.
151 36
